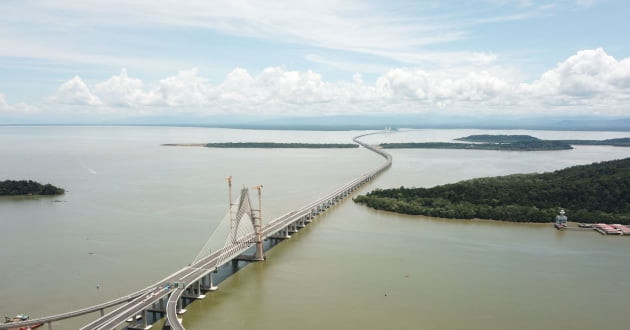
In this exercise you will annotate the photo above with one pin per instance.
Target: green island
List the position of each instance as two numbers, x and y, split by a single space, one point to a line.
281 145
507 142
599 192
27 188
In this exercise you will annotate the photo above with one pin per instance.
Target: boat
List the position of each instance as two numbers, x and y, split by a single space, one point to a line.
606 229
560 226
21 318
625 230
585 225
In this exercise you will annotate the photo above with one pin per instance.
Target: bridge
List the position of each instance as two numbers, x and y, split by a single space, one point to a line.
246 231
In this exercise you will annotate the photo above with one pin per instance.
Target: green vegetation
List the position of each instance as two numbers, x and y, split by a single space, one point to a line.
598 192
539 145
498 138
27 187
281 145
621 142
507 142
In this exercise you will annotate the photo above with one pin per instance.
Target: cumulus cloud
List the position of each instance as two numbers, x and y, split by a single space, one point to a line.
18 108
75 92
184 89
589 79
123 91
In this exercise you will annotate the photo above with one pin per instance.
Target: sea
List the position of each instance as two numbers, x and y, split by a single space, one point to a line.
135 211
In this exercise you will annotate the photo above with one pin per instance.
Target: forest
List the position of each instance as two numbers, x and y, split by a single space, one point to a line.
281 145
27 187
539 145
599 192
507 142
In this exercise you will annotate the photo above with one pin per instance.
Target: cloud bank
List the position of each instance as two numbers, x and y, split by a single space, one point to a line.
591 81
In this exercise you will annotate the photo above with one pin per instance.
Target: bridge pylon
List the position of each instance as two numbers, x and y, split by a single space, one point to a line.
257 222
242 234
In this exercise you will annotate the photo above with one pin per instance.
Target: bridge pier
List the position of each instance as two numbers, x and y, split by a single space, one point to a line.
180 308
194 291
161 308
208 279
143 325
282 234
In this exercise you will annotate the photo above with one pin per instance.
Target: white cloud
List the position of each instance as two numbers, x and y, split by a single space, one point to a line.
75 92
123 90
589 80
588 77
18 108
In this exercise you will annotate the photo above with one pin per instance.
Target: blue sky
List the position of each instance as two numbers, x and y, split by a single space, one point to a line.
98 60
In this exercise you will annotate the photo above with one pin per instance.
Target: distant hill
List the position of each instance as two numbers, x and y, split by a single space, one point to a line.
27 187
376 121
598 192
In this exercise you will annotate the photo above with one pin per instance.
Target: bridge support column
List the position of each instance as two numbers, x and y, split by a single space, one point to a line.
199 294
211 286
145 324
102 311
260 253
180 308
49 325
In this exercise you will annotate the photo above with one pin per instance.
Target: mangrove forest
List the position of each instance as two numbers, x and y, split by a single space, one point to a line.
599 192
27 187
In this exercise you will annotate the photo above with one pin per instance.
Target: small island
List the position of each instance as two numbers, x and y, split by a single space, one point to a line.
265 145
28 188
598 192
507 142
513 146
274 145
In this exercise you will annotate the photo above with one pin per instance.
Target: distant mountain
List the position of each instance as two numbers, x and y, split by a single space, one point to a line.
361 122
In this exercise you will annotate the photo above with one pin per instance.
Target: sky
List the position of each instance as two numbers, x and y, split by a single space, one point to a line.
99 60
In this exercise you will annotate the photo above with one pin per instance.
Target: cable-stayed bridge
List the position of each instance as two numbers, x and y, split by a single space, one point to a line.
241 230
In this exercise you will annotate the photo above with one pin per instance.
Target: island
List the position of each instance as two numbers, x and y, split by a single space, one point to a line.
507 142
589 193
265 145
27 188
281 145
513 146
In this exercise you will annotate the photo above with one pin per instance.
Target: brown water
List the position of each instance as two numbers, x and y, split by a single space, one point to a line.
135 212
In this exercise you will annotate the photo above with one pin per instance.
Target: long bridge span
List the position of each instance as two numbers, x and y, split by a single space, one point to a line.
246 231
